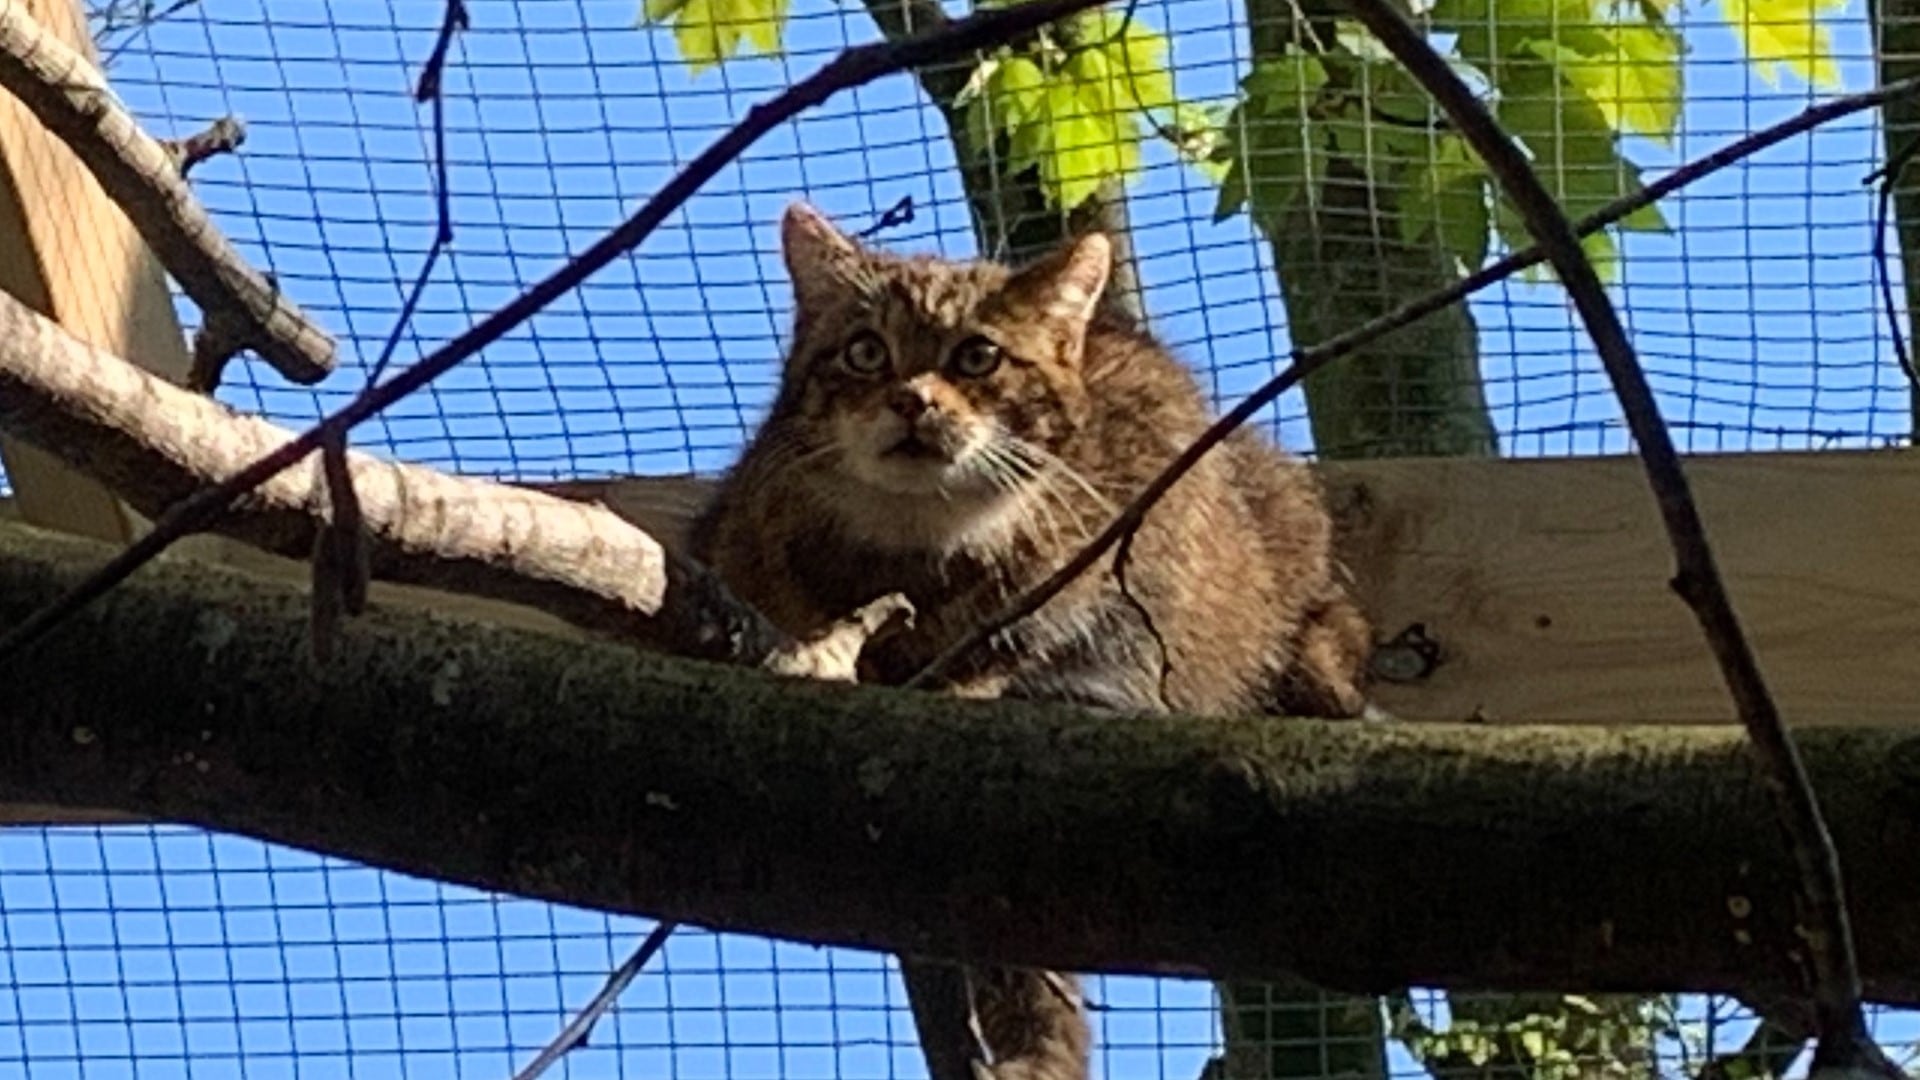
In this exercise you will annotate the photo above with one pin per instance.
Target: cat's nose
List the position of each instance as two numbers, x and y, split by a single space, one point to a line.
910 402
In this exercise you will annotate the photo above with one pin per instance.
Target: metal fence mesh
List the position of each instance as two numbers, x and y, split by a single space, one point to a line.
163 951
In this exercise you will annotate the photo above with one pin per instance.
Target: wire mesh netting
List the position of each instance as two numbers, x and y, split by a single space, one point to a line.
163 951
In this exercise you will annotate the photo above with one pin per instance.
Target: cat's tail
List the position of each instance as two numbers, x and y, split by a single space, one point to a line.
1033 1022
1030 1023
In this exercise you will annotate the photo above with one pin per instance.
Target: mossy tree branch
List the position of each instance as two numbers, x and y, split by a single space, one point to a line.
1002 832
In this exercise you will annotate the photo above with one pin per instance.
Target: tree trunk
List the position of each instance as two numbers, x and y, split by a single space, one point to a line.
1418 393
1002 832
1340 263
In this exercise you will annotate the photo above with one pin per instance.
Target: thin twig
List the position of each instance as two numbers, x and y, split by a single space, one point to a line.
431 89
342 561
223 136
855 66
1888 177
71 99
1839 1018
900 213
340 564
1309 360
144 21
453 21
575 1033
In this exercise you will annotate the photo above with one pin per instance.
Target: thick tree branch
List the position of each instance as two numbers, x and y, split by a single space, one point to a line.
153 443
1828 950
71 97
1620 859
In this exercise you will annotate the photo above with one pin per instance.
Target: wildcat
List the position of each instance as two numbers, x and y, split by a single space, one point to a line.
954 431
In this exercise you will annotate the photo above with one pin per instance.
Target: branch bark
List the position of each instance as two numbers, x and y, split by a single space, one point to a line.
1626 858
71 97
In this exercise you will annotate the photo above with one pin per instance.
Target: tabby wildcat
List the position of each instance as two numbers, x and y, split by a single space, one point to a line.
953 431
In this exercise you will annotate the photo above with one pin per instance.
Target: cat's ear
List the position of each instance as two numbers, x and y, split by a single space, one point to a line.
821 260
1065 286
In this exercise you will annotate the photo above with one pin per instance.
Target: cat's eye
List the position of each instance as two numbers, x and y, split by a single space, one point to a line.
975 358
866 354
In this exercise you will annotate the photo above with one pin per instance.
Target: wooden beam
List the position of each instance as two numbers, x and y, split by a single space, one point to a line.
67 251
1544 582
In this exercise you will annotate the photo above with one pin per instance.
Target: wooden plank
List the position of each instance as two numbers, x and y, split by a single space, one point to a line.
67 251
1544 582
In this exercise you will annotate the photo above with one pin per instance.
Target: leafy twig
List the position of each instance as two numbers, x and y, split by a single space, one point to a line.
1839 1019
855 66
70 97
1309 360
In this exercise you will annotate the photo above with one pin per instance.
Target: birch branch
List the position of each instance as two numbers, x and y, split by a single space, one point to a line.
72 99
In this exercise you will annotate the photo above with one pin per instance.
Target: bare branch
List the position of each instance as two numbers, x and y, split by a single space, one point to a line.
576 1032
855 66
223 136
152 442
71 97
1309 360
589 774
1828 946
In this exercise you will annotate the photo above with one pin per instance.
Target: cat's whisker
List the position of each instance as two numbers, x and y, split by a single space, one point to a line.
1007 477
1050 462
1024 478
1044 472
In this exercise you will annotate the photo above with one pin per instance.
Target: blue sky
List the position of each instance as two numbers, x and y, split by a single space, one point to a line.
170 952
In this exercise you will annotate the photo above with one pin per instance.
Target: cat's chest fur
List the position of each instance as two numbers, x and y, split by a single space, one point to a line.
1076 648
951 591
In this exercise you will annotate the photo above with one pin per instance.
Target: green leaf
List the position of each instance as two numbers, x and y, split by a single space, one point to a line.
1629 71
1490 30
1274 149
1786 33
709 31
1574 148
1446 197
1199 131
1002 97
1134 53
1080 121
1601 250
